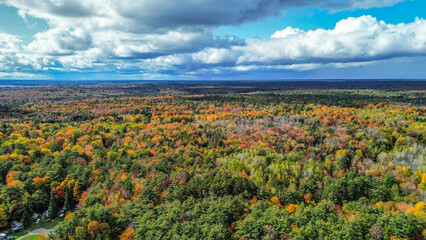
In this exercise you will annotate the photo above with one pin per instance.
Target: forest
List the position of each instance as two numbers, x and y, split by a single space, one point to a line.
172 160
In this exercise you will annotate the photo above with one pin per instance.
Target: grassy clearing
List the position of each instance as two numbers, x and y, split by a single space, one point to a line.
32 237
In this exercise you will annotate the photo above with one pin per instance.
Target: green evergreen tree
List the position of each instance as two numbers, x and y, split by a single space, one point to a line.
69 201
53 209
26 219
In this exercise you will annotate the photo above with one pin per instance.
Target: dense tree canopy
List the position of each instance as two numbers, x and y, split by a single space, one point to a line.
302 164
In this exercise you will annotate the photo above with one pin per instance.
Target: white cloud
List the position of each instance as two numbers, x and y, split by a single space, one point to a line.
20 75
9 47
131 45
159 35
9 43
352 40
59 41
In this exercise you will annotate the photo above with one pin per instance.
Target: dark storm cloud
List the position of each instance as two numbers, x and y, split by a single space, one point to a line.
153 15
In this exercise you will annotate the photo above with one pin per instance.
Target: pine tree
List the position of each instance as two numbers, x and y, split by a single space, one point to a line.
53 209
69 201
26 219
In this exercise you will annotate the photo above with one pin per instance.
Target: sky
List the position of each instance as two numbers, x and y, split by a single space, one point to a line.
212 39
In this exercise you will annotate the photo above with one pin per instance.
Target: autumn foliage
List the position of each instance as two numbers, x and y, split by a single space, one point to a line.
300 164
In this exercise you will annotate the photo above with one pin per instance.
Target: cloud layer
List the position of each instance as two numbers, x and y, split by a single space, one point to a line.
147 15
148 38
352 40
